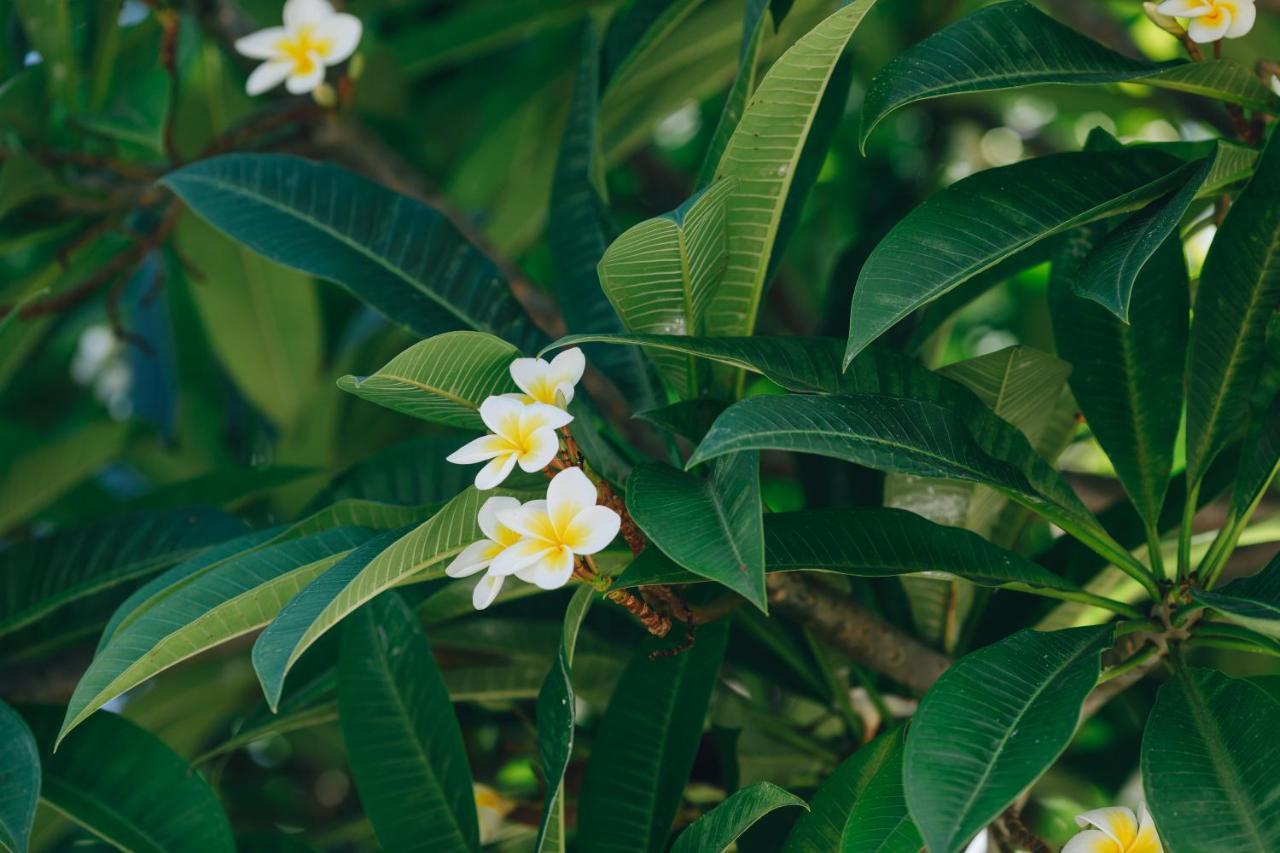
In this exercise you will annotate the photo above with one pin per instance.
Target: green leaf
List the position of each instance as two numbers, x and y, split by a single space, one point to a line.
1253 601
977 222
645 745
861 806
1239 289
688 418
718 829
661 274
23 179
992 724
636 34
754 30
19 780
231 600
555 715
44 473
1012 44
263 320
401 734
49 25
127 787
1127 377
763 155
711 527
442 379
1209 755
40 576
400 256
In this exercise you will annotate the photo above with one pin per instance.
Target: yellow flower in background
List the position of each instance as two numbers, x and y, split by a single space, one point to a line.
491 811
1212 19
477 556
567 523
313 37
549 382
523 433
1115 830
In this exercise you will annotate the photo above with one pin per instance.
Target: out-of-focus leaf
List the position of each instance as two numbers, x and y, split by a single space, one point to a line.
688 418
402 737
635 35
127 787
412 472
402 257
992 724
753 33
19 780
645 745
44 473
718 829
442 379
1209 755
711 527
49 24
1253 601
23 179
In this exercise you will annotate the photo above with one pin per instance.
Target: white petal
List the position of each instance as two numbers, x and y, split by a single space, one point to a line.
1117 822
301 84
1148 841
592 529
570 492
537 415
566 371
488 516
529 521
1203 33
500 414
300 12
552 571
519 556
486 590
1092 841
267 76
264 44
1275 84
1185 8
530 375
483 448
1242 20
495 472
343 33
541 446
473 558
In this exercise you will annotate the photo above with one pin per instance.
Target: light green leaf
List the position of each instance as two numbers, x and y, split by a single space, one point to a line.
402 737
763 155
718 829
1013 44
1209 757
1239 289
1253 601
645 745
992 724
636 35
43 474
19 780
711 527
661 274
127 787
442 379
403 258
231 600
263 320
977 222
861 806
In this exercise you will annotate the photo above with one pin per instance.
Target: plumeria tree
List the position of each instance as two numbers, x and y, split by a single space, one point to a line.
437 490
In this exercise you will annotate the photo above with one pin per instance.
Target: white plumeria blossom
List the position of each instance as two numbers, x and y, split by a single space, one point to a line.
523 433
568 523
1275 84
550 382
1212 19
478 556
1115 830
313 37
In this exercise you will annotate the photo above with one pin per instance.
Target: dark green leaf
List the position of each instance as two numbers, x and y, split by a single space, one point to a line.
1253 601
688 418
19 780
402 737
1209 758
718 829
992 724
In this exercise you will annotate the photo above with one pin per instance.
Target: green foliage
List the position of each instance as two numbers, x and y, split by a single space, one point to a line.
19 780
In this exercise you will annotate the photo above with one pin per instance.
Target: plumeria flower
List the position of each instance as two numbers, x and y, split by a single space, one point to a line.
523 433
477 556
1212 19
549 382
1115 830
313 37
491 812
1275 84
553 531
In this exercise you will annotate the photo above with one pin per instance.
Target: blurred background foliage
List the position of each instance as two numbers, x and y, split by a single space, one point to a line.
206 375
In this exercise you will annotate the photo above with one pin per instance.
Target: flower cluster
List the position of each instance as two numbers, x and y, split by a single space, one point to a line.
540 541
1115 830
314 37
1211 20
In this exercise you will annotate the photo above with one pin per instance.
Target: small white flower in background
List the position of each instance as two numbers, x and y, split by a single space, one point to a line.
313 37
1212 19
553 531
523 433
1115 830
100 362
491 810
477 556
549 382
1275 84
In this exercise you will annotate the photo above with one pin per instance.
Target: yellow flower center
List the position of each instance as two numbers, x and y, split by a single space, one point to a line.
302 46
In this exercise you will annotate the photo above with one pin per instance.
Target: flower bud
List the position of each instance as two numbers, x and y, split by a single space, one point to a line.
324 96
